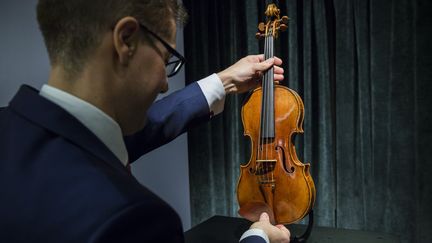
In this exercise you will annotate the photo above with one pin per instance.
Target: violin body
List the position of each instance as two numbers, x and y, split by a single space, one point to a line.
274 180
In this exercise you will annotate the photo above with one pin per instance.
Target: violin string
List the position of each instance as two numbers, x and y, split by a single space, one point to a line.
266 101
264 152
272 97
261 132
267 111
265 93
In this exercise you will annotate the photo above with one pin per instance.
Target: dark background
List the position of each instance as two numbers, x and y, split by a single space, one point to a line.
363 70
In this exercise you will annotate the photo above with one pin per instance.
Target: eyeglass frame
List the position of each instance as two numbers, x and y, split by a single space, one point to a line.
171 50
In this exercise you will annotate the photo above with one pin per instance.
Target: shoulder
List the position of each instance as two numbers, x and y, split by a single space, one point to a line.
142 221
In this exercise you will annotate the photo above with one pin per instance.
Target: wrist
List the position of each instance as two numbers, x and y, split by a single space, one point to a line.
213 92
226 80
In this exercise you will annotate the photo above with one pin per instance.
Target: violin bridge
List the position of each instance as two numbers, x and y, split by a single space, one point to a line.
264 171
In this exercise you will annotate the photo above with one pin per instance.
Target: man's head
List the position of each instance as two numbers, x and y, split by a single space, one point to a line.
111 53
72 30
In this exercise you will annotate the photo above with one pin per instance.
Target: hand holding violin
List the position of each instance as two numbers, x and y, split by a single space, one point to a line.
276 233
244 75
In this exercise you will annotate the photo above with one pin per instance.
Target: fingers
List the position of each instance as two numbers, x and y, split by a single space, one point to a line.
277 61
278 77
276 233
278 70
263 66
260 57
284 229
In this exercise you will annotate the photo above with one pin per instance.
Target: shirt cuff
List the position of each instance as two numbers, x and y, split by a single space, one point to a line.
214 93
257 232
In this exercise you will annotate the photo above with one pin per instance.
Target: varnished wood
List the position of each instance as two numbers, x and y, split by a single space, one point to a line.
292 195
274 180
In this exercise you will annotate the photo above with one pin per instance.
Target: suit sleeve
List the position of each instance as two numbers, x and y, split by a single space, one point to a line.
253 239
168 118
254 236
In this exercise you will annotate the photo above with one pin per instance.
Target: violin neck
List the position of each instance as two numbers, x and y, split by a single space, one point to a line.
267 104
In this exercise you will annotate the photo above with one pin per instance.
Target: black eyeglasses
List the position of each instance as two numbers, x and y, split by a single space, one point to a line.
176 61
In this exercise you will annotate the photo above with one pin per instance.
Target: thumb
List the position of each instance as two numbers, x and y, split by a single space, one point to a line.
264 217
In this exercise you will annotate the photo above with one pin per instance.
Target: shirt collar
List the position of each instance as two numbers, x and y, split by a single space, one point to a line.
98 122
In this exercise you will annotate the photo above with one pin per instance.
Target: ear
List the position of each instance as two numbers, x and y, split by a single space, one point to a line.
126 38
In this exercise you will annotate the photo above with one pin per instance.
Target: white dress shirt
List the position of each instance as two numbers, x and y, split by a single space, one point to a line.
106 129
214 93
98 122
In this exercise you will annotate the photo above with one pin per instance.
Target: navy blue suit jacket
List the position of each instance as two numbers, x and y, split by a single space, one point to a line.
60 183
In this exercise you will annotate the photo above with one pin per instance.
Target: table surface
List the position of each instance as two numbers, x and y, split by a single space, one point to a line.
218 229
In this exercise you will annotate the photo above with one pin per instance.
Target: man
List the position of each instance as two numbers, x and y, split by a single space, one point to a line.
65 149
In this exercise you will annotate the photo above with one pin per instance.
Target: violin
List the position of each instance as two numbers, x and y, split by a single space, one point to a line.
274 180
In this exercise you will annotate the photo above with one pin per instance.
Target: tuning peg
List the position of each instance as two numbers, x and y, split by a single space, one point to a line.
261 27
259 35
283 27
285 19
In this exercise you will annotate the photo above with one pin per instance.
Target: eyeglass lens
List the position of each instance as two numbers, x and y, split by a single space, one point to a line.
173 66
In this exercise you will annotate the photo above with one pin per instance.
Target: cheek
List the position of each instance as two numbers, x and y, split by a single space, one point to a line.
149 77
149 82
157 80
153 74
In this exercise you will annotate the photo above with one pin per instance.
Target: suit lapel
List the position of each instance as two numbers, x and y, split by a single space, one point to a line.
35 108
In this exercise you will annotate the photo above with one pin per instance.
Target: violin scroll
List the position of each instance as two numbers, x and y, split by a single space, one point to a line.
274 23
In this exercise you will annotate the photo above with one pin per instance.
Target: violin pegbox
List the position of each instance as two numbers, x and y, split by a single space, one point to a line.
274 23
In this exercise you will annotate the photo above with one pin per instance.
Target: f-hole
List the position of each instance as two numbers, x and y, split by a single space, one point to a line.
281 150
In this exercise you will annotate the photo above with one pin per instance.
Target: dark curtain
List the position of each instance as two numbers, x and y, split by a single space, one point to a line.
363 70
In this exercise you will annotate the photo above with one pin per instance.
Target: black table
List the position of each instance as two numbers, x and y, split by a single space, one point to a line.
221 229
